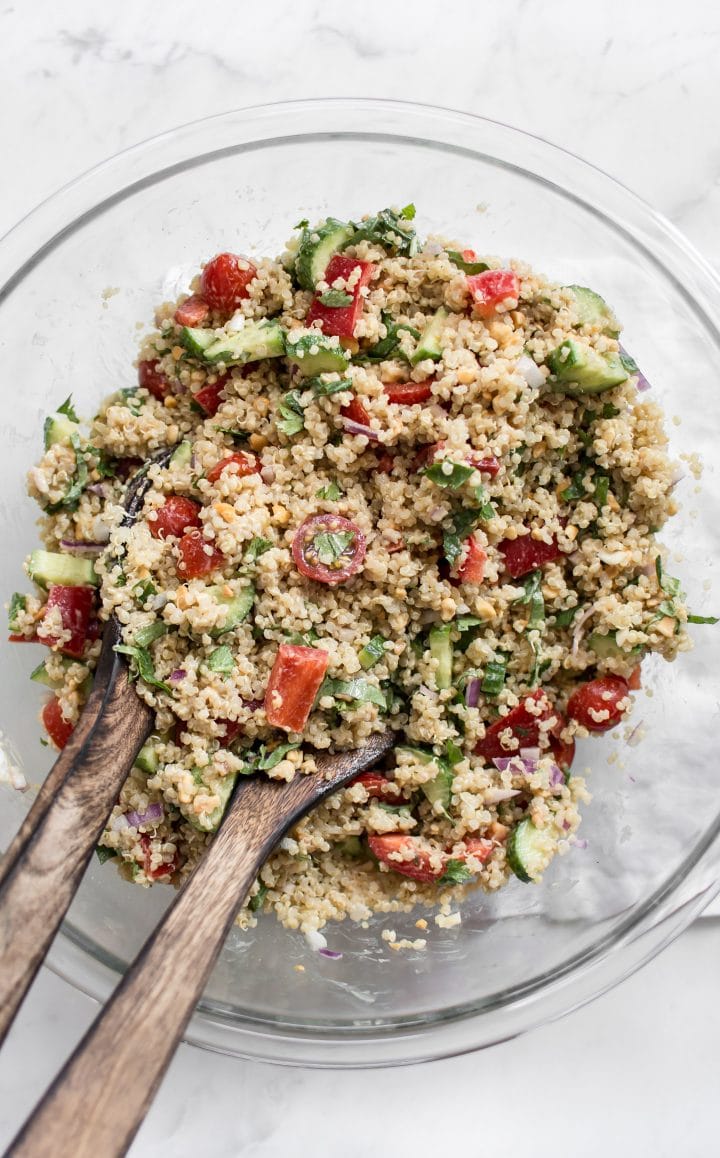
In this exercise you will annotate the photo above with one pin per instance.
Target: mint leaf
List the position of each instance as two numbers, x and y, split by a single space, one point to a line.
452 478
142 666
456 873
335 298
330 545
470 267
357 689
331 493
256 548
68 409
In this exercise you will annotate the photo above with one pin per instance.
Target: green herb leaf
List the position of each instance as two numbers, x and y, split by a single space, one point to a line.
330 545
388 346
609 411
144 591
334 298
221 661
408 212
494 678
268 758
331 493
255 549
291 411
389 230
703 619
236 435
68 409
18 603
602 489
453 754
372 652
452 478
103 853
629 363
533 596
142 666
256 902
302 224
456 873
564 618
321 388
144 636
464 522
470 267
358 690
576 489
129 397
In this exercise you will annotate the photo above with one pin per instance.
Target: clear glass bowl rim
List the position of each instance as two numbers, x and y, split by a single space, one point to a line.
667 912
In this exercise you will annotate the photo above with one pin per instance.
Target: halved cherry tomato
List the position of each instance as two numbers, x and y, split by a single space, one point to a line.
602 695
408 393
356 412
395 545
563 750
242 464
163 870
225 280
153 379
486 464
379 787
341 320
525 554
75 605
328 548
420 868
209 397
293 685
385 463
493 288
472 569
524 725
55 724
192 312
194 560
635 680
479 847
177 514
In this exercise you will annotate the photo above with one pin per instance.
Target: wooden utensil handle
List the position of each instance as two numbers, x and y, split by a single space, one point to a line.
99 1099
48 857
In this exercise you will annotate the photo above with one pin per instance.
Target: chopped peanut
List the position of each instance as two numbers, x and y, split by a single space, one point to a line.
571 532
257 441
666 626
281 515
225 511
485 609
465 376
170 402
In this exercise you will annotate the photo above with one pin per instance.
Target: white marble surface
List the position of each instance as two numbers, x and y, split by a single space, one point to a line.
633 88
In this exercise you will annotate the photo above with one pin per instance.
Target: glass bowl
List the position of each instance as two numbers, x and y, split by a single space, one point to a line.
84 271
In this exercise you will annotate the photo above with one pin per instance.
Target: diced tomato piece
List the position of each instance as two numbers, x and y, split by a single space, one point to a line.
426 455
487 464
525 554
225 281
524 725
194 560
192 312
563 750
163 870
341 320
356 412
635 680
233 728
379 787
493 288
408 393
242 464
395 545
176 515
602 695
385 463
420 868
293 685
153 379
55 724
477 846
23 639
209 397
469 255
472 569
75 605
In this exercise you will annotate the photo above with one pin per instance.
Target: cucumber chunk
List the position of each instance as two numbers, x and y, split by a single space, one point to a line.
182 454
592 310
442 651
58 428
529 851
196 340
317 246
256 340
581 370
429 344
210 821
39 674
439 790
351 846
48 567
422 755
238 607
604 646
316 354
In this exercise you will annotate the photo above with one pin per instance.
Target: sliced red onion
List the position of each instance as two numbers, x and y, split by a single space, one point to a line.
98 488
515 764
82 546
578 842
497 795
566 824
267 474
153 814
193 461
530 754
556 776
177 675
119 822
330 953
253 705
578 630
472 692
642 382
530 371
351 427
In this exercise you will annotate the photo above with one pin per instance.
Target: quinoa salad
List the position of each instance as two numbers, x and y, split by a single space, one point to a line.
403 486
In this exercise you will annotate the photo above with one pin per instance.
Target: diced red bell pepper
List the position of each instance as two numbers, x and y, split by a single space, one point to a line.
426 455
524 725
293 685
55 724
408 393
635 679
525 554
194 560
356 412
420 868
486 464
378 786
23 639
493 288
75 605
209 397
341 320
472 569
601 696
563 750
243 464
153 379
163 870
176 515
192 312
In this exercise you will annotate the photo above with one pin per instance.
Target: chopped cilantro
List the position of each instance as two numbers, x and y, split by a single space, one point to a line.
302 224
331 493
330 545
456 873
454 477
389 230
104 854
703 619
602 489
470 267
335 298
142 666
255 549
564 618
236 435
68 409
389 346
291 411
533 596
